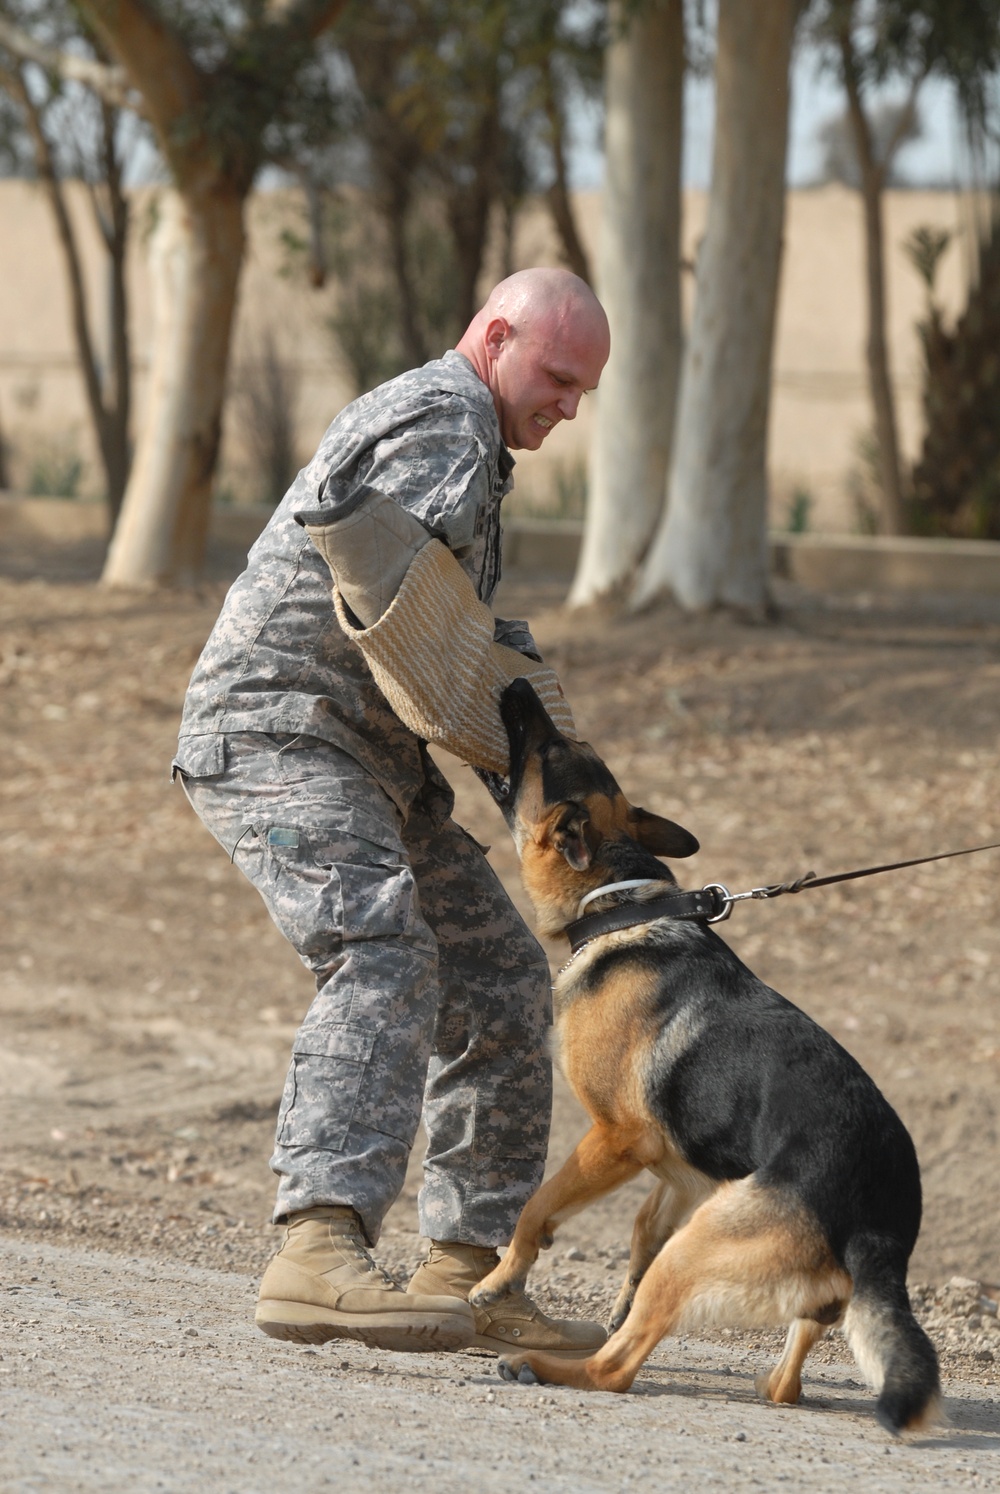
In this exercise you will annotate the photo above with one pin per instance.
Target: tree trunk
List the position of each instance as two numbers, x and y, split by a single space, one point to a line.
559 199
639 284
195 264
116 393
468 208
107 402
395 205
711 547
872 174
209 118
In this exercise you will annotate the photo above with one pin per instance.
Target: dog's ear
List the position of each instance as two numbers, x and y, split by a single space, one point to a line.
658 835
569 836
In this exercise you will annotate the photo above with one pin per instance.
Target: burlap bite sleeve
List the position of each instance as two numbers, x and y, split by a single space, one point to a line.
434 659
368 551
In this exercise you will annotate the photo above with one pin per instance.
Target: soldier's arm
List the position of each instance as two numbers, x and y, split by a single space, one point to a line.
429 641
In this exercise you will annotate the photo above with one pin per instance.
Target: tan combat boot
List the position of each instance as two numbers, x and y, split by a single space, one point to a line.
514 1323
323 1284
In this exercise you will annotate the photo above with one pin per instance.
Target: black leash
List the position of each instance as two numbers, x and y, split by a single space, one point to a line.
714 902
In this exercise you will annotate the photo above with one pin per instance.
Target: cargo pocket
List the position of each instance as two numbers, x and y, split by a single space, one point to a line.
376 882
330 885
200 757
329 1061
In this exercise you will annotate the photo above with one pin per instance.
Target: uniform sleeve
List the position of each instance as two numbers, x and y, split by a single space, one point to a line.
436 467
516 635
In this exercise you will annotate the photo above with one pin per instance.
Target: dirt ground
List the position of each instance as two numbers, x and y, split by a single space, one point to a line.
147 1007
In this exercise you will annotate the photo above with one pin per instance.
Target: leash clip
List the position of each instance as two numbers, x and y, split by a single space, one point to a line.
728 898
725 897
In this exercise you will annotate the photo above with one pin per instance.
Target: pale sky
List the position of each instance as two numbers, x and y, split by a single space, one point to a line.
936 159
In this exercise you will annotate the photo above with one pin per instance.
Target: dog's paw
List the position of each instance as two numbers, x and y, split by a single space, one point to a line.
524 1375
487 1296
621 1310
619 1313
493 1289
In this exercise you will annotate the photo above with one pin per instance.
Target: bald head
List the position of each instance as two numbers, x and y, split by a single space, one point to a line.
539 343
531 298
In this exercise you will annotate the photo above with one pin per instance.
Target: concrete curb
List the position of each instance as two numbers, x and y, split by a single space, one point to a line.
819 562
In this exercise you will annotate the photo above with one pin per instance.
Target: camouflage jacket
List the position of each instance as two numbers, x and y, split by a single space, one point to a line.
277 659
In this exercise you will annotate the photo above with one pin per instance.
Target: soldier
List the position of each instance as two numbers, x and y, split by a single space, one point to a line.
432 995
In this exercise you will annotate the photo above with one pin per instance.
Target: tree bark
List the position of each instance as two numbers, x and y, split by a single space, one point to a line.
711 546
195 261
116 384
210 127
558 195
108 400
873 174
639 284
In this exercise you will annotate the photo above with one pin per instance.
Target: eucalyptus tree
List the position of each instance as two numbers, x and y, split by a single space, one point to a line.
710 545
55 129
210 79
639 285
870 43
461 111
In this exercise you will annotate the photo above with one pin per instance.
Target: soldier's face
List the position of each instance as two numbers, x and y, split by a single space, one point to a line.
540 375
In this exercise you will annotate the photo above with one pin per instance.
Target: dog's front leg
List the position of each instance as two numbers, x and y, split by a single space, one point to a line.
663 1212
654 1224
604 1159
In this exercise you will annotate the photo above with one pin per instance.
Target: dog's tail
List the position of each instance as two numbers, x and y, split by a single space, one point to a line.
892 1350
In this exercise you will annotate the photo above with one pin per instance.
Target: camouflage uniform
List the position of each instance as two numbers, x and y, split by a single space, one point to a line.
431 992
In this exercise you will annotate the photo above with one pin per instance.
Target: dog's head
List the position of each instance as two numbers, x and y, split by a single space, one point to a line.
570 821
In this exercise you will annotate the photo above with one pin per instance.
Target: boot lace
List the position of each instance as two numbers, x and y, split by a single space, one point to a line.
352 1244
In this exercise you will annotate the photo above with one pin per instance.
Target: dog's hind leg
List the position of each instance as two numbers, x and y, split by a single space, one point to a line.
749 1256
783 1384
602 1161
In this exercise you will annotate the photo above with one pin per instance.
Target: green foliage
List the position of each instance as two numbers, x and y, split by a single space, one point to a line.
570 490
955 39
864 484
799 511
55 470
447 113
924 249
265 390
367 322
956 481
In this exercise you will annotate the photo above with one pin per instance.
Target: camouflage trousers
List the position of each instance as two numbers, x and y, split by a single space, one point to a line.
432 996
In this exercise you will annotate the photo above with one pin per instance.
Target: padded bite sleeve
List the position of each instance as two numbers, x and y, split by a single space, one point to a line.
433 657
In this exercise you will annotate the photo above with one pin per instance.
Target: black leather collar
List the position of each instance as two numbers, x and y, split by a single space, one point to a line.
705 903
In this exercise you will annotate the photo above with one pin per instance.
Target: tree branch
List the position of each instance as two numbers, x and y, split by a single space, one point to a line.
110 82
153 55
906 117
306 18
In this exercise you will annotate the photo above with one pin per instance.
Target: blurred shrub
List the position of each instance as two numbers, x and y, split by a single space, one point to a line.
55 470
956 481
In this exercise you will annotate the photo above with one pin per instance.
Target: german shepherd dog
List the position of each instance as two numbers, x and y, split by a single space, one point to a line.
788 1190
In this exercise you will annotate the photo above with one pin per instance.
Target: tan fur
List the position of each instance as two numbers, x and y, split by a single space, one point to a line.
744 1258
555 889
783 1385
599 1044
